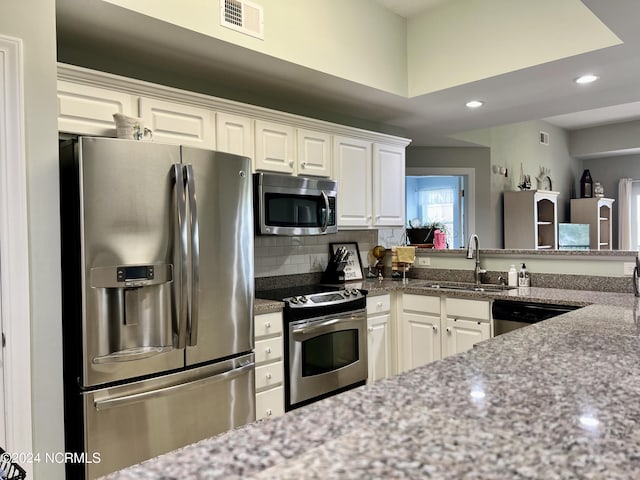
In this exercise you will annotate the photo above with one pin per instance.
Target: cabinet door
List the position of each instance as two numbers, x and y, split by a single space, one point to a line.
86 110
379 347
420 339
314 153
177 123
388 186
274 147
461 335
234 134
352 170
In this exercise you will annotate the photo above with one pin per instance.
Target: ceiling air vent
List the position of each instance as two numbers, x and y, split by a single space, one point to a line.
544 138
242 16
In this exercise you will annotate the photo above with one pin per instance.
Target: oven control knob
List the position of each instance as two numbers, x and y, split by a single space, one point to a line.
294 300
303 299
347 292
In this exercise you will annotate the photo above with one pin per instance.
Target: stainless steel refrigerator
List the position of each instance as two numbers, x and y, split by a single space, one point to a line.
157 275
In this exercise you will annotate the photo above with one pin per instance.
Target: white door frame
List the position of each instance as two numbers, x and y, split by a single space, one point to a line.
15 313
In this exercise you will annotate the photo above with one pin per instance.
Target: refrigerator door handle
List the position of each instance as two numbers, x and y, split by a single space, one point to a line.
181 266
195 255
125 400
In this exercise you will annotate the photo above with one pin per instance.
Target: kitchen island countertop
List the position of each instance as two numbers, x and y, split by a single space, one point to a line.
556 400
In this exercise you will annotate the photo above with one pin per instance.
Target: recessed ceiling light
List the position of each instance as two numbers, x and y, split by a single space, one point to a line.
589 78
474 104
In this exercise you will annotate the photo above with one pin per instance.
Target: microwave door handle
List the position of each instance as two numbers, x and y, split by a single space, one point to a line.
181 260
195 255
326 215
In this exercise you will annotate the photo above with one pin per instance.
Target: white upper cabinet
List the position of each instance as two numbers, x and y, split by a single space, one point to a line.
388 186
314 153
352 170
275 150
368 165
87 110
178 123
234 134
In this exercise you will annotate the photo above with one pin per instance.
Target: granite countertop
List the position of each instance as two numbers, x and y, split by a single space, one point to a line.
556 400
528 294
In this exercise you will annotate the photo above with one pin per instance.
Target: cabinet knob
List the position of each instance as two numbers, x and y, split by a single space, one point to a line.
379 304
268 375
267 350
435 329
448 329
370 329
267 325
269 412
303 164
291 163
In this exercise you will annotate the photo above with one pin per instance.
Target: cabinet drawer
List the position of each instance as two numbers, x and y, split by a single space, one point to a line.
421 303
458 307
268 324
269 375
378 304
270 403
268 350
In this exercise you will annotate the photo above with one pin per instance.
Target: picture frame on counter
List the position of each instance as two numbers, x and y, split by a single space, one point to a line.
353 269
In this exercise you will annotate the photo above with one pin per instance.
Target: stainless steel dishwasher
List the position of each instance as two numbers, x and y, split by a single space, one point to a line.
509 315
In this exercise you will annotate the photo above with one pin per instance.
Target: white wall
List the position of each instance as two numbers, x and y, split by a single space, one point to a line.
441 57
518 144
606 140
34 22
357 39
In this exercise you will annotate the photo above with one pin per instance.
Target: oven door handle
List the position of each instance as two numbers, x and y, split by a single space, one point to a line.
317 326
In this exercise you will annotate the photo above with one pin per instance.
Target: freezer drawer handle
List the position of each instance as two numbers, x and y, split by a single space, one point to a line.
101 405
130 355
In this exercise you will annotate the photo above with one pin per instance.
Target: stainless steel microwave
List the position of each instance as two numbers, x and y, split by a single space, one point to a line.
286 205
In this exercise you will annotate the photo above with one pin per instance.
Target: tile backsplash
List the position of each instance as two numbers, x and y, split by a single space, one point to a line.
276 255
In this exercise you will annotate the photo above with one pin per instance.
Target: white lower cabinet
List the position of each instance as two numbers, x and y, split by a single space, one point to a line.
419 330
269 350
379 338
467 323
432 328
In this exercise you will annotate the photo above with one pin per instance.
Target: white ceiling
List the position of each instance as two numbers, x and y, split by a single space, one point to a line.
89 31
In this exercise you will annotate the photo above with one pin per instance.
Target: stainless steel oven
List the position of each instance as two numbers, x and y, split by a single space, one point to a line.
325 341
326 354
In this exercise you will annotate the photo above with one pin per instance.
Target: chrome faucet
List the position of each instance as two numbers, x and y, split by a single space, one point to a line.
473 239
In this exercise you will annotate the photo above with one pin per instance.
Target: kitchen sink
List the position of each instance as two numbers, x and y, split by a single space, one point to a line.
469 287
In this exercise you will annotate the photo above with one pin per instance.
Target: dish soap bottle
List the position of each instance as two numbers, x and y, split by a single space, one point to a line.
512 276
523 277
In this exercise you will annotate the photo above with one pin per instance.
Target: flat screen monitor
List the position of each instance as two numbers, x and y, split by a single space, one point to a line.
573 236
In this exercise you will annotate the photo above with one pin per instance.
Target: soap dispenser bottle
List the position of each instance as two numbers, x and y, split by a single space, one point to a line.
512 276
523 277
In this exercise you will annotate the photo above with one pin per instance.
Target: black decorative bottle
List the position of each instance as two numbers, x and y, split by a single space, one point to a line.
586 185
